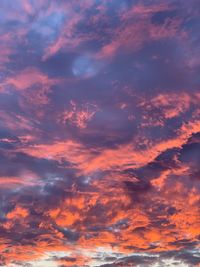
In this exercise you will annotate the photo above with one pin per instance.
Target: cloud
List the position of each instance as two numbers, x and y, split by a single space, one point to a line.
28 78
99 133
79 118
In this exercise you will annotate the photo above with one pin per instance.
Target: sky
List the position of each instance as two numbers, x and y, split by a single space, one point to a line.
99 133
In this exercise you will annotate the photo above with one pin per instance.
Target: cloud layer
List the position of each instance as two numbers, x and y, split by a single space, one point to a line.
99 133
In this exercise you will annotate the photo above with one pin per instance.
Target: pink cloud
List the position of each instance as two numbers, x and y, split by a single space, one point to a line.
136 30
29 77
79 116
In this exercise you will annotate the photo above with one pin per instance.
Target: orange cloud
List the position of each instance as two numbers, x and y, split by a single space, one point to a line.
18 212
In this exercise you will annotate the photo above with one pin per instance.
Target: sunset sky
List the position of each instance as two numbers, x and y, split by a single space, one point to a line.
99 133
